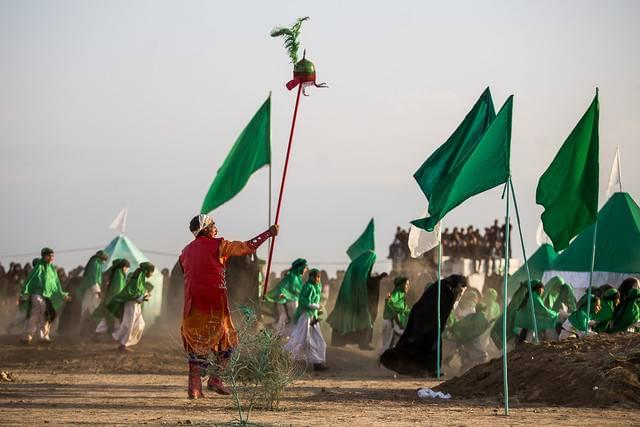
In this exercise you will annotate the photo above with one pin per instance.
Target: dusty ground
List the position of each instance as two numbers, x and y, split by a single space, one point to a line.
66 383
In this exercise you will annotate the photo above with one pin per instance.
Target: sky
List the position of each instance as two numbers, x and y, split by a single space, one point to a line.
105 105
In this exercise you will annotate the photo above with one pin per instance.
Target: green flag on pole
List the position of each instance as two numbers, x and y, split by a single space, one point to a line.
480 168
365 243
251 151
568 189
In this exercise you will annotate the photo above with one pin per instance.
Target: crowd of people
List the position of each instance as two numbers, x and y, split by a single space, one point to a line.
483 248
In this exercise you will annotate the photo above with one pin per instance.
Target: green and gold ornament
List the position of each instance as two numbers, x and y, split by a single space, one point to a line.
304 72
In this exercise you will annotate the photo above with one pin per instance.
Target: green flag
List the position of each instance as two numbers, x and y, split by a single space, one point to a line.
481 168
446 159
366 242
568 190
251 151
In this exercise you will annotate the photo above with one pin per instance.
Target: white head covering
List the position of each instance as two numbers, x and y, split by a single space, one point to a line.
204 222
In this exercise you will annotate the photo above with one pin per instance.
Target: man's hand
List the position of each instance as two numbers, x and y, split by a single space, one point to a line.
68 298
274 229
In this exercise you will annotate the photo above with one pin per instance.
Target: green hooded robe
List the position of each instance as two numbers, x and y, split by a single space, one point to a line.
396 307
628 313
351 310
117 283
290 286
607 309
469 327
579 317
92 274
310 295
557 292
545 317
135 289
43 280
490 300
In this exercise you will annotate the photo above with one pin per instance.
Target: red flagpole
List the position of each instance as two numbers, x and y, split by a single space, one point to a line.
284 178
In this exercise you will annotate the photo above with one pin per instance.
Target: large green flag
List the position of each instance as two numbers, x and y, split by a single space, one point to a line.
251 151
568 189
446 159
481 168
365 243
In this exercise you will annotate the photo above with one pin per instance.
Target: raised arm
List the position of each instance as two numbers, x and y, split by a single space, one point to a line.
236 248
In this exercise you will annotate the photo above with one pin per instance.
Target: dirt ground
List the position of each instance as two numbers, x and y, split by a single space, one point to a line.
68 383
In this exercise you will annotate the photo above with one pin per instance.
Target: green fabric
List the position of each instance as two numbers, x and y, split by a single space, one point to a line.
351 310
251 151
116 285
92 275
309 295
364 243
557 292
629 312
450 156
545 317
484 167
618 237
579 317
516 301
539 262
568 189
43 280
289 287
468 328
396 307
490 300
135 288
605 315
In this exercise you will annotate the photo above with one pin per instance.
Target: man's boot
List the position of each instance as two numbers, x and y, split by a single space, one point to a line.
195 381
215 384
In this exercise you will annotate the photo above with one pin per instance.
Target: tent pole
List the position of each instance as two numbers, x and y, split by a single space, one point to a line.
526 264
439 343
593 261
505 290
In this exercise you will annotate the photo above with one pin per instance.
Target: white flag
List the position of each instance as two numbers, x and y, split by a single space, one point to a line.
541 236
422 241
615 178
120 221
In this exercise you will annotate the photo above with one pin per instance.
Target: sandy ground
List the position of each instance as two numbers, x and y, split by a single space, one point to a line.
67 383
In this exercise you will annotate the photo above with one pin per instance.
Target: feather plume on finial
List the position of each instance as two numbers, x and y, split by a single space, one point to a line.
290 36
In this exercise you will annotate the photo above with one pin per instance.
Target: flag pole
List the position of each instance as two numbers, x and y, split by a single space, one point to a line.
504 310
284 178
526 264
593 261
439 344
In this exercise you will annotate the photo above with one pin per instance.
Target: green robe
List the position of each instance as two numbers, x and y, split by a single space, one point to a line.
579 317
468 328
310 295
43 280
288 289
351 311
628 313
545 317
490 300
135 289
516 301
116 285
396 307
92 275
557 292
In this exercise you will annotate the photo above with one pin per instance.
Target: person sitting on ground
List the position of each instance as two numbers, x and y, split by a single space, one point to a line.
42 298
626 317
490 300
546 319
307 343
126 306
396 313
579 323
626 286
559 296
467 332
609 300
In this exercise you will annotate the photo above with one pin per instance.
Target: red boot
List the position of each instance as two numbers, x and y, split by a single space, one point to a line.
195 381
215 384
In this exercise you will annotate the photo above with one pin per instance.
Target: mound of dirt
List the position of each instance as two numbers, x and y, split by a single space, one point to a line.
598 371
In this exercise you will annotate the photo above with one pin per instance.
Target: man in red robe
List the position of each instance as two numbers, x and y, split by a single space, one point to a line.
206 321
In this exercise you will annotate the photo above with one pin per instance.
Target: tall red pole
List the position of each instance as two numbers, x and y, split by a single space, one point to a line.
284 178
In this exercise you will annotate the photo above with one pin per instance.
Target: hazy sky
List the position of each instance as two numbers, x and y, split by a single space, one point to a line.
107 104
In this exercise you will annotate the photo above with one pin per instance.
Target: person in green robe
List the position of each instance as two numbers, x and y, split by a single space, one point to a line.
117 280
627 317
576 324
90 288
490 300
126 306
396 313
350 318
307 343
609 300
41 298
559 296
467 334
546 318
285 295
